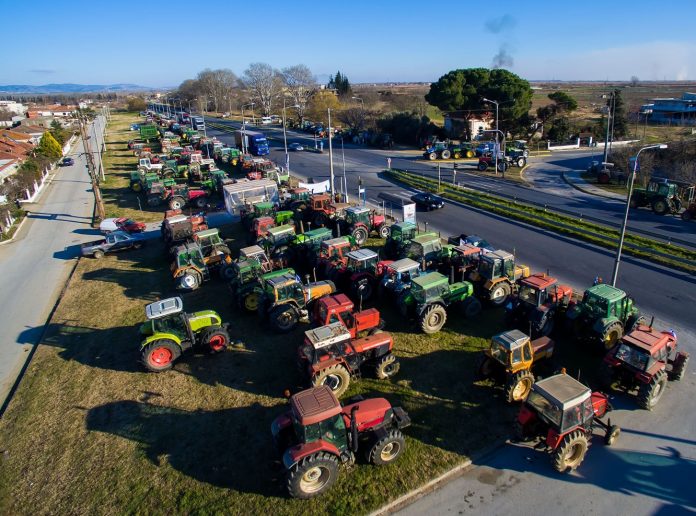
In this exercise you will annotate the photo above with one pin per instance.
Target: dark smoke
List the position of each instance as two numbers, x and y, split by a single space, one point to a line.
503 59
498 25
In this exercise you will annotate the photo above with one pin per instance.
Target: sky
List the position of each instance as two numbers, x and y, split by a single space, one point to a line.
160 44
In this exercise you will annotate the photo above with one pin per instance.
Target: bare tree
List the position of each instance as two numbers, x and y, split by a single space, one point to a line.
354 118
301 85
263 84
5 114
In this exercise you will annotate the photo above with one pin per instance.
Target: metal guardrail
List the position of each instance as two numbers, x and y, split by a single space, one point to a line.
461 191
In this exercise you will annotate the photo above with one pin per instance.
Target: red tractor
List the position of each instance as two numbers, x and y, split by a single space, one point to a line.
330 356
177 196
340 308
317 434
539 301
333 253
644 360
359 275
320 209
689 212
360 222
561 412
178 228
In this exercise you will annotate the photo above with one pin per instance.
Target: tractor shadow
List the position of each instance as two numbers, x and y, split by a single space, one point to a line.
222 448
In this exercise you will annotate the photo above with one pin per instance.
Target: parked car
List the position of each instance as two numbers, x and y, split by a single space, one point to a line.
296 147
116 241
67 162
121 224
428 201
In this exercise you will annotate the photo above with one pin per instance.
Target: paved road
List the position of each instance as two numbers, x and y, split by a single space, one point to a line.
34 267
646 471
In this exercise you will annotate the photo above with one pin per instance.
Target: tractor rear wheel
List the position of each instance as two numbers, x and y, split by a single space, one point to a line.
362 289
433 319
486 367
679 367
384 231
499 293
387 366
250 302
457 155
312 475
190 280
471 307
284 318
360 235
387 449
176 203
201 202
432 156
660 206
650 393
469 154
227 271
154 200
215 339
159 355
521 161
611 335
446 154
482 166
518 386
571 452
633 323
336 377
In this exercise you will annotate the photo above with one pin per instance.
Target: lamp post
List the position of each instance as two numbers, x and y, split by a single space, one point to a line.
285 135
331 170
244 127
628 205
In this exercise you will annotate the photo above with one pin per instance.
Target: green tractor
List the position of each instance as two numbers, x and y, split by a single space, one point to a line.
169 331
304 249
401 235
604 315
427 249
285 301
662 195
462 150
248 275
431 295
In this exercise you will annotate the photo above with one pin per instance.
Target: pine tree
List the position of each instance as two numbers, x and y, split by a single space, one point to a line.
49 148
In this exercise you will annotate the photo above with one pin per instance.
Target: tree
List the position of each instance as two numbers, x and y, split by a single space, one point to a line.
634 80
301 85
136 104
5 114
355 118
263 83
216 85
48 147
321 102
560 130
407 128
340 83
620 121
463 91
554 113
58 132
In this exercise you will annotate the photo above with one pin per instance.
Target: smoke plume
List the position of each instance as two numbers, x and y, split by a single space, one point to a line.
503 59
498 25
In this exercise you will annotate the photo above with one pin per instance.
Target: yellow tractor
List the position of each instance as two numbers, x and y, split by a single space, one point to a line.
496 275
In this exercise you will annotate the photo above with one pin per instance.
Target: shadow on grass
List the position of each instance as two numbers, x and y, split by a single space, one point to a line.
223 448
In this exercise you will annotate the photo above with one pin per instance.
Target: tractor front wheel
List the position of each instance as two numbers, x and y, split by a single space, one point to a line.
456 155
432 156
387 449
612 435
191 280
471 307
384 231
482 167
312 475
433 319
387 366
159 355
446 154
571 452
360 235
679 367
336 377
518 386
250 302
176 203
284 318
660 207
201 202
650 393
499 293
215 339
521 161
227 271
611 335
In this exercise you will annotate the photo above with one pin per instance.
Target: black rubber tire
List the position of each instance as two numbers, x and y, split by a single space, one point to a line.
177 203
549 323
521 161
284 318
471 307
227 271
384 231
300 476
499 294
160 355
360 235
387 449
686 215
446 154
98 255
518 386
485 368
215 339
679 367
363 289
193 283
201 202
570 452
336 377
154 200
660 207
611 335
250 302
482 167
432 156
387 366
649 394
433 319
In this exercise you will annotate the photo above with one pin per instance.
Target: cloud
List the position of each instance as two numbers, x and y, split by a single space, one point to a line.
503 59
44 71
498 25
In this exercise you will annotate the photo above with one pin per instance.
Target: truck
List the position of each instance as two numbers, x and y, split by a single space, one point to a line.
116 241
198 123
254 141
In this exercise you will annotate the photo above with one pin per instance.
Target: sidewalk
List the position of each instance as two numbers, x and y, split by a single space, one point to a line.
574 179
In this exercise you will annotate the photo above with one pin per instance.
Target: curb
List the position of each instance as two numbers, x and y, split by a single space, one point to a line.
426 488
588 192
24 219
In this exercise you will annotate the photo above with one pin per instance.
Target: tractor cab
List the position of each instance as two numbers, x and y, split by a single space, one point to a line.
284 287
257 254
324 342
339 309
246 271
362 260
430 287
281 235
313 238
562 403
497 264
643 348
318 416
403 231
261 225
189 255
662 188
512 349
604 301
540 289
165 316
298 194
425 247
210 242
263 209
358 215
400 273
335 248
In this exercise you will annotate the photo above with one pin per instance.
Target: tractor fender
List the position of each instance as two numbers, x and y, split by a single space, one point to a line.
296 453
553 438
380 343
600 404
422 308
382 266
601 324
280 423
158 336
647 376
204 318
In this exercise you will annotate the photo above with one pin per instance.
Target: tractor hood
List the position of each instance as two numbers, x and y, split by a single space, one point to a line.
369 413
146 328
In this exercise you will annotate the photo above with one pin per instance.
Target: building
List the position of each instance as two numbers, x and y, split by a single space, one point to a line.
51 111
671 111
457 126
13 107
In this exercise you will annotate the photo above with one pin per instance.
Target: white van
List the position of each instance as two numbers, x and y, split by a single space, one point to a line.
266 120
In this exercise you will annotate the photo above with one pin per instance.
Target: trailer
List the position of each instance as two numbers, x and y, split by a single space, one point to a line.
239 196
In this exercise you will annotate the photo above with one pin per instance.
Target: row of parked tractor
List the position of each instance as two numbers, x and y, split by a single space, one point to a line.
306 262
515 155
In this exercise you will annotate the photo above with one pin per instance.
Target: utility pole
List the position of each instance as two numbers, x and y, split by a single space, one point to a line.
98 203
331 170
606 136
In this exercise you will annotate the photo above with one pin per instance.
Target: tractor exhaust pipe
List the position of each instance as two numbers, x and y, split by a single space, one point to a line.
314 271
652 320
353 430
452 274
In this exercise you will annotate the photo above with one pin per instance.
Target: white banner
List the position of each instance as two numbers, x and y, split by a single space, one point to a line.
409 211
316 187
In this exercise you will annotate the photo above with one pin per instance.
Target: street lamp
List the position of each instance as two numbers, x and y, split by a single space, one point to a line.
285 135
628 205
244 127
496 112
361 102
331 170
